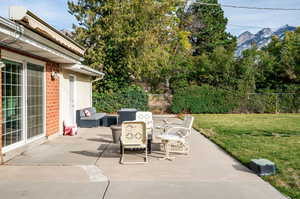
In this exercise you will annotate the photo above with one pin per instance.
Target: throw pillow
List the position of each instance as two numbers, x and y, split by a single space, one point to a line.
87 113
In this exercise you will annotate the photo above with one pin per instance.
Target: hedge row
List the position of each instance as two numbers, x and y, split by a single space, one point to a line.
204 99
207 99
131 97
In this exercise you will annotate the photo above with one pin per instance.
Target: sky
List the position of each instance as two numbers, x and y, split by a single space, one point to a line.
55 12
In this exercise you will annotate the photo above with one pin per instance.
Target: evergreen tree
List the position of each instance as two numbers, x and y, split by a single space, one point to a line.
207 25
216 68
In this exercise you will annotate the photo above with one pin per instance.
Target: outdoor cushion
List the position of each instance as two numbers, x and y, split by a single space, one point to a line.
96 116
92 110
99 115
94 120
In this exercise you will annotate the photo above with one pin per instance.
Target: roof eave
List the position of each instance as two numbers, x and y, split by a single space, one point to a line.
83 69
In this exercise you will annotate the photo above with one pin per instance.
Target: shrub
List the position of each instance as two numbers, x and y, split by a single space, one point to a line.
204 99
289 103
130 97
178 83
262 103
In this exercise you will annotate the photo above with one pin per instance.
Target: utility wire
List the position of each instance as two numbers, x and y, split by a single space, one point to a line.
247 7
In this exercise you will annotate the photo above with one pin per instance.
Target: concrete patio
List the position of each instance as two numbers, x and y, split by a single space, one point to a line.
83 166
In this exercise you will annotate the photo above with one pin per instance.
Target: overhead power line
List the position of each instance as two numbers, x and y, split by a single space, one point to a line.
248 7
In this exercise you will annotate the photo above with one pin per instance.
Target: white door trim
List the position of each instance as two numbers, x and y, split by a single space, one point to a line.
74 96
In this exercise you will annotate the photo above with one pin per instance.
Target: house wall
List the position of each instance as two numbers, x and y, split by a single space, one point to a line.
83 93
83 86
52 100
51 92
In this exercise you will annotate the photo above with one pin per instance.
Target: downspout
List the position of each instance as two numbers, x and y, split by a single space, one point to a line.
98 79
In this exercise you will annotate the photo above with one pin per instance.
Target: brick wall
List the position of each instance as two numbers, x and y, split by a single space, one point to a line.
52 100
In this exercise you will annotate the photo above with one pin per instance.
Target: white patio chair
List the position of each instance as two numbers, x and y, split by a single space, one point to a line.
147 118
174 139
167 124
134 135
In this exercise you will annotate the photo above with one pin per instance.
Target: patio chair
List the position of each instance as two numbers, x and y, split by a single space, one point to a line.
147 118
166 124
174 139
134 136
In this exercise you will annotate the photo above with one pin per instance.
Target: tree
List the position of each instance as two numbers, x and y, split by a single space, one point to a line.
216 68
207 25
132 39
286 52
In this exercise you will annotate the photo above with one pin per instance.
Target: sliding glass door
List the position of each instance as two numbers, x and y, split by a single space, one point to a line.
22 103
12 103
35 100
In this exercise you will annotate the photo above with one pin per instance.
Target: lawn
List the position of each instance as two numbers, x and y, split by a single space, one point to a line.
272 136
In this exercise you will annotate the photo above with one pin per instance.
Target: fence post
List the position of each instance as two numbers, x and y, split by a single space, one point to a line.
276 111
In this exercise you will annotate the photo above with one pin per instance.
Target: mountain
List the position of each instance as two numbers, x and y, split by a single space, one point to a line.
261 38
244 37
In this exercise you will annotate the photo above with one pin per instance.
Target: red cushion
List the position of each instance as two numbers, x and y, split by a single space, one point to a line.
87 113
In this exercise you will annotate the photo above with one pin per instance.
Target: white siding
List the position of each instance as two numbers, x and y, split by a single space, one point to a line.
83 95
83 90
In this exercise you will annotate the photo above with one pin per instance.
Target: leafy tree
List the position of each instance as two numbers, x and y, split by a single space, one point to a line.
286 52
275 67
133 39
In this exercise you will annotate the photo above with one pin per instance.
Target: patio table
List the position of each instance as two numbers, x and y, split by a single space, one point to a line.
126 114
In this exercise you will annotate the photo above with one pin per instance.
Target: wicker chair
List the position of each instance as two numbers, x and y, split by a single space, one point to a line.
174 138
134 136
147 118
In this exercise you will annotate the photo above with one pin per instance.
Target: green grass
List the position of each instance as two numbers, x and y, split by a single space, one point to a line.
248 136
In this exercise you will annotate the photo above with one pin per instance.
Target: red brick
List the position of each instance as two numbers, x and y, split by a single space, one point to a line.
52 100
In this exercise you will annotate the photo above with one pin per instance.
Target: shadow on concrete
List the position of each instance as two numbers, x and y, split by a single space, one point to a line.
100 140
87 153
106 136
242 168
112 150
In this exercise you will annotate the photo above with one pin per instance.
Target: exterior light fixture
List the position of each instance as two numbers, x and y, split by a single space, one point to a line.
54 75
2 65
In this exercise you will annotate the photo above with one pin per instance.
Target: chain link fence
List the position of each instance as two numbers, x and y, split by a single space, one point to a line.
273 103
